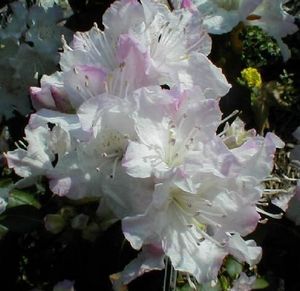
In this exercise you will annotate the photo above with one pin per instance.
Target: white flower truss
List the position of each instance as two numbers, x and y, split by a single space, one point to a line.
205 194
152 46
105 128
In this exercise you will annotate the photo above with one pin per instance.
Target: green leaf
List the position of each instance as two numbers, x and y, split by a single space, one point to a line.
5 182
18 197
5 186
54 223
233 267
260 283
185 287
22 219
3 231
209 287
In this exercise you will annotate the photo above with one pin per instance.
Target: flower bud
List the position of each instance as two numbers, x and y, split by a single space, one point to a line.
54 223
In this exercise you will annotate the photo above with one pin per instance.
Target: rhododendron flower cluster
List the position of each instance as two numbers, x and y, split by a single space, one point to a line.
132 118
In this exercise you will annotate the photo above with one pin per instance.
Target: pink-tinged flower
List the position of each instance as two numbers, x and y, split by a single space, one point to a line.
244 251
85 162
150 258
208 219
274 20
243 283
33 160
205 193
51 95
221 16
109 121
169 126
234 135
171 222
150 46
284 200
197 230
44 147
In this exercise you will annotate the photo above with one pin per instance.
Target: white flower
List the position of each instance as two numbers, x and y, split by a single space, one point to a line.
206 202
81 163
51 140
151 46
221 16
183 223
44 31
51 95
16 23
150 258
243 283
275 21
24 63
37 158
169 126
235 134
205 194
110 123
47 3
50 3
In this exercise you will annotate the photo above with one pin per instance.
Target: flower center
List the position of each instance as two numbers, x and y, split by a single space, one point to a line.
108 150
179 140
199 212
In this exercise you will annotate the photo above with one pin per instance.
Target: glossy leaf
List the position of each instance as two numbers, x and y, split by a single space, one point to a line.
18 197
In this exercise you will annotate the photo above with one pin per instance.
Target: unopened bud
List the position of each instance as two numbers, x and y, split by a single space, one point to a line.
54 223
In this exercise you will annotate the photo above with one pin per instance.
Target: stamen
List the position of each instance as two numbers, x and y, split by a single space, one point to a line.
190 48
275 216
191 283
275 179
262 203
207 236
235 112
98 169
106 87
200 212
105 155
274 191
112 176
289 179
295 163
210 221
172 141
227 127
263 221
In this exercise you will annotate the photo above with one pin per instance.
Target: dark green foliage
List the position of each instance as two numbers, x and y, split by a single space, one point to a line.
259 49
